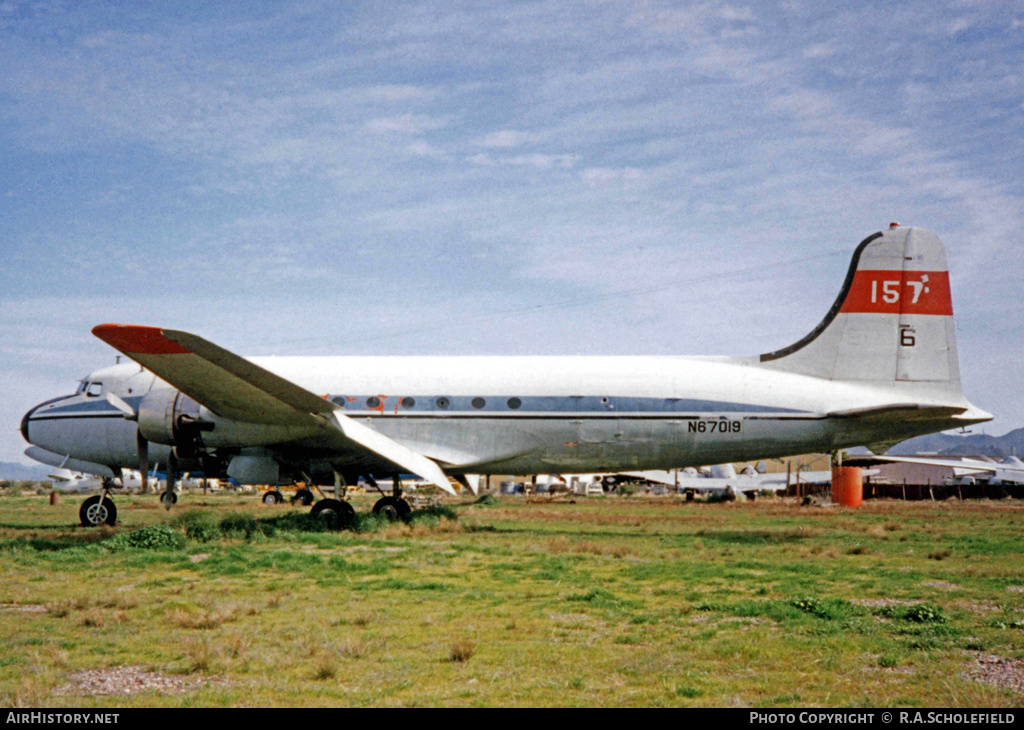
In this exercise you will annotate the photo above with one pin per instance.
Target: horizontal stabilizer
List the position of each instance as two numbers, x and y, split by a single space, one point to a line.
900 412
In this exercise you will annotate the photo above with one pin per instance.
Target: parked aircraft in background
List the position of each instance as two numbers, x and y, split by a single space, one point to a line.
724 478
966 470
721 478
65 480
880 368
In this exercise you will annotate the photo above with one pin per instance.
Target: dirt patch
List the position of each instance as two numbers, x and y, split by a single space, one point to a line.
125 681
998 671
23 607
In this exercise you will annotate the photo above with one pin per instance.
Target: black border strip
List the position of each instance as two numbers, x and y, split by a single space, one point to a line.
836 306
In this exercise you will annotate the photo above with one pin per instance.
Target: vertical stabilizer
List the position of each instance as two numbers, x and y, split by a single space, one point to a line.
892 321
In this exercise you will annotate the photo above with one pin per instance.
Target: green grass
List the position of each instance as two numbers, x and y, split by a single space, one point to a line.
605 602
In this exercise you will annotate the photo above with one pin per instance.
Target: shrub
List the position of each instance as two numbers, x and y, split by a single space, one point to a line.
245 526
826 608
198 525
154 537
434 513
921 613
462 651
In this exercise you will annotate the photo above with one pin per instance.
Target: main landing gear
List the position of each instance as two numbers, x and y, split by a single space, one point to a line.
340 515
393 507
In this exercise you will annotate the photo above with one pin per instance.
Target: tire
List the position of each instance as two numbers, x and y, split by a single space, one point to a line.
393 508
272 498
336 514
303 497
168 498
97 511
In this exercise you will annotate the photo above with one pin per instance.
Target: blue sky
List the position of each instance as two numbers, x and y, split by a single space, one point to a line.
496 178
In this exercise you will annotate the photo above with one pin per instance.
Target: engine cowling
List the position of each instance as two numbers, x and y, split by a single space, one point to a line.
172 418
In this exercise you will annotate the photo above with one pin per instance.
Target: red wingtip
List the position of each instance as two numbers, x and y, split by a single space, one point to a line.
135 339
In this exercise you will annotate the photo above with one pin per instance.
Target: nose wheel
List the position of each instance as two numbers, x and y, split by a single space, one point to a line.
98 510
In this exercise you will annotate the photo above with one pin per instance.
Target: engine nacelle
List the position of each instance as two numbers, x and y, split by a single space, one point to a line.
248 469
170 417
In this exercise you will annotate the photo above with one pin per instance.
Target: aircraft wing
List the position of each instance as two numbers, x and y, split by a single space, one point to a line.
960 467
235 388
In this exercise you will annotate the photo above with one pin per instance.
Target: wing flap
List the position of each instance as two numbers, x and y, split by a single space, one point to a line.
391 450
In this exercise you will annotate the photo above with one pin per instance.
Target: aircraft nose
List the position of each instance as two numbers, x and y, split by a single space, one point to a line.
24 423
27 418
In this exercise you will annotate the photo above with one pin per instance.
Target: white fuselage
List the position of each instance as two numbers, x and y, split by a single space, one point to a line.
524 415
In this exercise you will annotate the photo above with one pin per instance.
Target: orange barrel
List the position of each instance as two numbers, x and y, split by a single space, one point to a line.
54 499
848 485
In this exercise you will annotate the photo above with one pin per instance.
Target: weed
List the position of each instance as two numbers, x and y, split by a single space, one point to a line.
325 667
246 526
888 661
829 609
200 656
921 613
354 648
688 691
198 525
461 650
153 537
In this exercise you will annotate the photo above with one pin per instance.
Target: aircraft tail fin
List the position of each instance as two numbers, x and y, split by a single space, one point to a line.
892 320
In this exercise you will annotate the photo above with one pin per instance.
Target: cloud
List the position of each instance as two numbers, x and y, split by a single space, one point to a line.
508 138
403 124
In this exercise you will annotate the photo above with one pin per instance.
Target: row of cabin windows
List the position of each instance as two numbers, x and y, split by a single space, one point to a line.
374 402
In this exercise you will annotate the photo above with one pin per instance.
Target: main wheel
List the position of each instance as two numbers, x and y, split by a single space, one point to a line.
336 514
272 497
394 508
304 497
97 511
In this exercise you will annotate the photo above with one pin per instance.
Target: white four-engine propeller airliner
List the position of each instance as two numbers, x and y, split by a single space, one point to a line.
881 367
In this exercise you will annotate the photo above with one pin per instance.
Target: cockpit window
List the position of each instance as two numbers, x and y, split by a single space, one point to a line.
81 387
93 389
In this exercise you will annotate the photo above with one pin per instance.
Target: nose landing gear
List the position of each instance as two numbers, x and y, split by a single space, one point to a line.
98 510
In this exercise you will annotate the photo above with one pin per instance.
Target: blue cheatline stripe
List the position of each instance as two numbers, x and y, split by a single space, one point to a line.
544 405
587 407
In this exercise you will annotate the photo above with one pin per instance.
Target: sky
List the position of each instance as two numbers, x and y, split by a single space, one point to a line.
331 178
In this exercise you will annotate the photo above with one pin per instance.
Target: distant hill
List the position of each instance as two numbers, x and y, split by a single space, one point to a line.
1010 444
21 473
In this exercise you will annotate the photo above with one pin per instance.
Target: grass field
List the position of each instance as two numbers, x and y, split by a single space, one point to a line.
601 602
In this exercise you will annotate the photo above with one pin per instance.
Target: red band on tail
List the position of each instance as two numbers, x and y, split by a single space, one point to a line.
899 292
